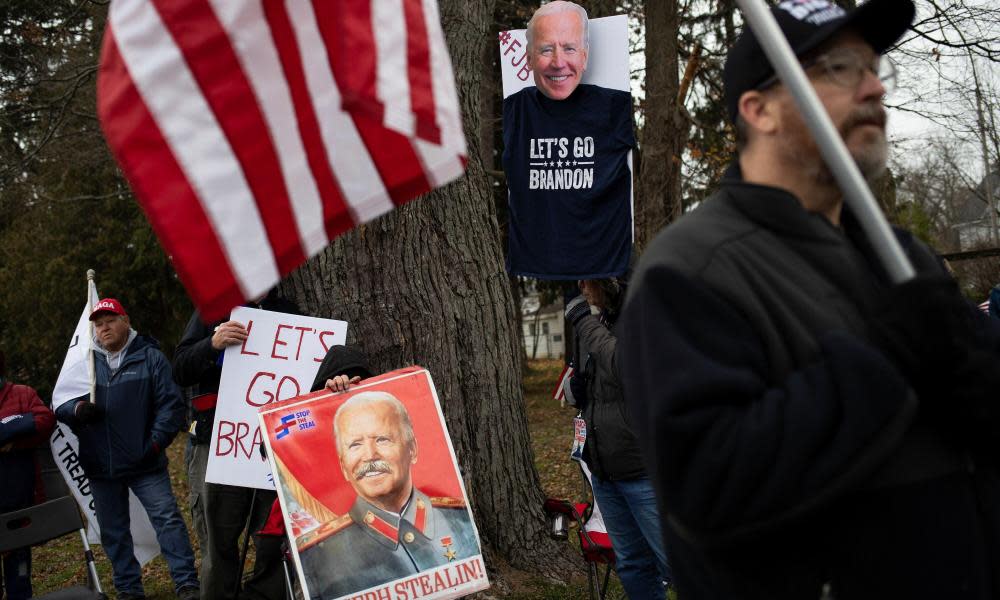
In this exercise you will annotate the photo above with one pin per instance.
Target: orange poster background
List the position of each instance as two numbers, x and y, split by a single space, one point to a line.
310 455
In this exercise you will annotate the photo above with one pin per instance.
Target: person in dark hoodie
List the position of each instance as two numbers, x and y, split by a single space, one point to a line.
342 367
25 424
221 512
136 413
622 488
811 427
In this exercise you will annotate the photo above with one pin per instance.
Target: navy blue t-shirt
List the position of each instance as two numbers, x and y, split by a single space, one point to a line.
569 183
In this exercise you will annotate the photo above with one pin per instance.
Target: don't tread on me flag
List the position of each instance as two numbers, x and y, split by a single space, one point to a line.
253 132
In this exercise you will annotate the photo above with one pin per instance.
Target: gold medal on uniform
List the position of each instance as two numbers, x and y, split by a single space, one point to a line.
448 552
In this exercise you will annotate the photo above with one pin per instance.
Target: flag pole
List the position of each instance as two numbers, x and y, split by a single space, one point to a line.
90 337
835 154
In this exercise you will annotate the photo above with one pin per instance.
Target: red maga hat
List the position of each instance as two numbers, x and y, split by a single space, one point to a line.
108 305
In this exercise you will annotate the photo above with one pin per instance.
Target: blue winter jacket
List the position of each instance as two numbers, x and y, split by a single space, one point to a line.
143 411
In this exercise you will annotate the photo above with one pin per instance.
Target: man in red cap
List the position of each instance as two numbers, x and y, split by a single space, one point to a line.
136 413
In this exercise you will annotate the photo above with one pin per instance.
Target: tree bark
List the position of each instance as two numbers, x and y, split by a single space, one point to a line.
666 130
600 8
426 285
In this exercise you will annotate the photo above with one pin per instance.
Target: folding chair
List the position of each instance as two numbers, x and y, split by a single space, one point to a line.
595 544
49 520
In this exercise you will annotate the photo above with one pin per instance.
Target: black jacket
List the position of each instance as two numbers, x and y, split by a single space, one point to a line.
611 450
341 360
198 366
773 429
142 412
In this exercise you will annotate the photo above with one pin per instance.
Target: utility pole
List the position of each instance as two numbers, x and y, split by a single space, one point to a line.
988 175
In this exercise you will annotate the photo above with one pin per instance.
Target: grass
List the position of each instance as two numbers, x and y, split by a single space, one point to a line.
59 563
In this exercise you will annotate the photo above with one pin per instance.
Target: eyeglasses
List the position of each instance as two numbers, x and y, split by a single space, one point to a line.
846 67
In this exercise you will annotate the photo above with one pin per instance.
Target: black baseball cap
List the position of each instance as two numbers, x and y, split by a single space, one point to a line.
806 25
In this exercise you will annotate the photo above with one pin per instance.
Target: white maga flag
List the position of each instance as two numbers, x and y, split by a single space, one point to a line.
75 380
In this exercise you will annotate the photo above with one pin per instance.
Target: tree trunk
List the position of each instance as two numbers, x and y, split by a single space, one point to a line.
600 8
665 132
426 285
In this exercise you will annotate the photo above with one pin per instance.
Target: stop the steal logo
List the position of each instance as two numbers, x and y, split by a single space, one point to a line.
297 421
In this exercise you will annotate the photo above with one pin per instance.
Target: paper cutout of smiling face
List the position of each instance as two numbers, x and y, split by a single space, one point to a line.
557 54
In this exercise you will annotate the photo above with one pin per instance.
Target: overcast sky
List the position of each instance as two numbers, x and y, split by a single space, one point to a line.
937 80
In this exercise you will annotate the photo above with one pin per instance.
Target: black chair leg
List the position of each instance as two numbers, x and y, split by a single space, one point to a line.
289 593
604 585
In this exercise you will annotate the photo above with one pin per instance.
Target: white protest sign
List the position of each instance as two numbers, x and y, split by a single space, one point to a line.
607 59
278 361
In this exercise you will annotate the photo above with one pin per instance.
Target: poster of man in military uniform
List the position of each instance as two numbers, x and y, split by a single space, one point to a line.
371 494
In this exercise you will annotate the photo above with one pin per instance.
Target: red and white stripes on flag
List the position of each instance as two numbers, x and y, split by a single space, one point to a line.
560 392
255 131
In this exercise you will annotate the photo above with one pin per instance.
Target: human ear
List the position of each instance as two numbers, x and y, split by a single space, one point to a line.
757 109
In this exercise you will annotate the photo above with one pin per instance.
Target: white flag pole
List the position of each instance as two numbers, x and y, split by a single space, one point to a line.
91 299
856 191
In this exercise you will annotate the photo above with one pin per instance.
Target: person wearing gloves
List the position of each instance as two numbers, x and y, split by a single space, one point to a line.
622 488
812 429
136 413
25 424
221 512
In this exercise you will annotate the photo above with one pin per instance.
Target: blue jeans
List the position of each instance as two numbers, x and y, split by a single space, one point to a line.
633 522
154 493
17 574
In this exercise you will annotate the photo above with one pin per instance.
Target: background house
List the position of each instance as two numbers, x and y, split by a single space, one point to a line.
542 328
972 225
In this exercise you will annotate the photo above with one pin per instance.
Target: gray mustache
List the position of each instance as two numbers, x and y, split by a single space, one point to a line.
872 114
372 466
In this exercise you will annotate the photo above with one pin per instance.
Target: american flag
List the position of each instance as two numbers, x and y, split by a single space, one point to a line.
560 392
253 132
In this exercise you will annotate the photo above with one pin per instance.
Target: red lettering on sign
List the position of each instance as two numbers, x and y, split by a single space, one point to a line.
425 584
225 430
326 347
302 332
259 392
257 440
473 569
524 72
234 436
278 342
267 394
242 429
282 383
243 347
380 594
514 45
